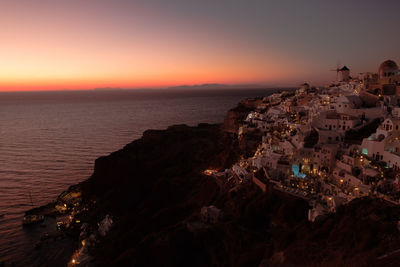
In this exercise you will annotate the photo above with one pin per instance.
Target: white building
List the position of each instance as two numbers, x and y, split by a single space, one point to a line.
323 157
334 121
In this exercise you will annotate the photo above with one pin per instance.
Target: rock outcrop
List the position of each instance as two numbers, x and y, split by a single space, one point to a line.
154 188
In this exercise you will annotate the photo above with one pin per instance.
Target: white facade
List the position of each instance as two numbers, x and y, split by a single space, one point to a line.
336 121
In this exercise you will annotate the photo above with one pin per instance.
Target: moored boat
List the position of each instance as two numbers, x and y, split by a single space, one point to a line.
32 219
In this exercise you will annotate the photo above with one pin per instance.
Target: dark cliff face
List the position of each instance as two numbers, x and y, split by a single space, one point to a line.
154 183
235 116
155 188
161 166
362 233
249 141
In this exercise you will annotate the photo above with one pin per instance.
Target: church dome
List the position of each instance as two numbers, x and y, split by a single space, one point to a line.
387 66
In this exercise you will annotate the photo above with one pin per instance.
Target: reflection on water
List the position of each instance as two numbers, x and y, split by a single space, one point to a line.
49 140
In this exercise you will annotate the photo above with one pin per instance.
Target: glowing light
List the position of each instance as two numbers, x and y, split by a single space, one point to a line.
209 172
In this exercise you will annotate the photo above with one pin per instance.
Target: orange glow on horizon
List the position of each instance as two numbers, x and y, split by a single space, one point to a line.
75 44
53 46
161 76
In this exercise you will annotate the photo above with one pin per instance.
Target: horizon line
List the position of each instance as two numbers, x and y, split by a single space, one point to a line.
213 86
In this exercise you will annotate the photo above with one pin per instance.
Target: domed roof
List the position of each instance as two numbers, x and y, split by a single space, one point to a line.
388 65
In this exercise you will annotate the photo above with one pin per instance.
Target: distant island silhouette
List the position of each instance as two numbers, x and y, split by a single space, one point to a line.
216 86
193 87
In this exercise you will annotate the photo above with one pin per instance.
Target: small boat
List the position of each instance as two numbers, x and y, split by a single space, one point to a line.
32 219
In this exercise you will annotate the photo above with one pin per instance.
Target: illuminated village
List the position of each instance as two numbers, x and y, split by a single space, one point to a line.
327 145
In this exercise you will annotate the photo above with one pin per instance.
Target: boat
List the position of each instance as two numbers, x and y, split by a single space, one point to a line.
32 219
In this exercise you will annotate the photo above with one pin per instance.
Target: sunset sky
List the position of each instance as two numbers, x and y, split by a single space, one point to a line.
83 44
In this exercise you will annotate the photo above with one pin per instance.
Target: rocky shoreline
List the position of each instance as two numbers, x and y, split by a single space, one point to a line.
143 206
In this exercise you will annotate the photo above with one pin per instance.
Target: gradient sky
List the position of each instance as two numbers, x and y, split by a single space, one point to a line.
154 43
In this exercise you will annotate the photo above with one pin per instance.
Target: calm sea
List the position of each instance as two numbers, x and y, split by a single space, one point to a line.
49 141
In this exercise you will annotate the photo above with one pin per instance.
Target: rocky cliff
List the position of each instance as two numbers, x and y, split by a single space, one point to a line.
154 188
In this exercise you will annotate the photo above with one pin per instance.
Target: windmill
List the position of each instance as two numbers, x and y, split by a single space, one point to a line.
337 70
